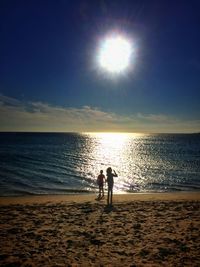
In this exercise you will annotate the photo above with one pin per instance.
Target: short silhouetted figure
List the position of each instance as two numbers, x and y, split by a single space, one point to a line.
110 182
100 182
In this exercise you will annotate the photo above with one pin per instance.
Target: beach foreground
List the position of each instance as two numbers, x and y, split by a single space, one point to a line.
139 230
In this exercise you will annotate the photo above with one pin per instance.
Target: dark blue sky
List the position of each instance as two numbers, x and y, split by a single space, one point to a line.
48 49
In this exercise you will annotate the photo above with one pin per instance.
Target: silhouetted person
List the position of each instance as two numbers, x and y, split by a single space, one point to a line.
110 182
100 182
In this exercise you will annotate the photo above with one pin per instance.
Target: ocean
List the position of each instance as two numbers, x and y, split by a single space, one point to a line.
68 163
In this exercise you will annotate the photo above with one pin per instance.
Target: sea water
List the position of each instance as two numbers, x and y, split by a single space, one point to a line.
64 163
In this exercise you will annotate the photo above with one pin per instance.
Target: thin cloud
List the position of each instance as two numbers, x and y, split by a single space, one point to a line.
8 101
37 116
156 118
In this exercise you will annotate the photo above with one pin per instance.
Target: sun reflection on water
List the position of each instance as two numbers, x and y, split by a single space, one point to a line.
115 150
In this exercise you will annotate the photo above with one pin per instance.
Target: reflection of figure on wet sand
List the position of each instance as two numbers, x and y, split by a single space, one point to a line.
110 182
100 182
134 187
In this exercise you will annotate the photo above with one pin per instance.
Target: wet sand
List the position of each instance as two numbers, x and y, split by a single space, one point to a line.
139 230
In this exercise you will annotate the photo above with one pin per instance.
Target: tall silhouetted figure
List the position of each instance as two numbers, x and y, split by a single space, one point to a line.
110 182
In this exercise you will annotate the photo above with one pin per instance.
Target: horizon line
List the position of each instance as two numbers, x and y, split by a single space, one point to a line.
93 132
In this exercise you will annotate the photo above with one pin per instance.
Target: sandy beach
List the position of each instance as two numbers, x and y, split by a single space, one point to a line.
139 230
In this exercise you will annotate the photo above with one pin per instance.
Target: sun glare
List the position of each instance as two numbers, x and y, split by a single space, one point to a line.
115 54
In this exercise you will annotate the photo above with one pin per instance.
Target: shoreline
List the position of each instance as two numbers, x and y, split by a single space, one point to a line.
79 198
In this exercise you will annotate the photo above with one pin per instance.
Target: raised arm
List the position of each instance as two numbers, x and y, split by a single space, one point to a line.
115 175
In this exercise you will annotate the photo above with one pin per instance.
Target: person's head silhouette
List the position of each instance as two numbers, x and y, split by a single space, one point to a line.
109 170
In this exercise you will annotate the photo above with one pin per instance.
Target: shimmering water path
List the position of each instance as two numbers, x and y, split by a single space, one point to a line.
62 163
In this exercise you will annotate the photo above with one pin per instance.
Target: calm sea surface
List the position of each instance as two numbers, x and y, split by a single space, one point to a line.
63 163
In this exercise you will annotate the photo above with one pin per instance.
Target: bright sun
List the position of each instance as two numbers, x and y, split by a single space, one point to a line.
115 54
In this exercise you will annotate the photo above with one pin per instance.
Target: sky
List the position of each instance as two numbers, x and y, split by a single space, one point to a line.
50 79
